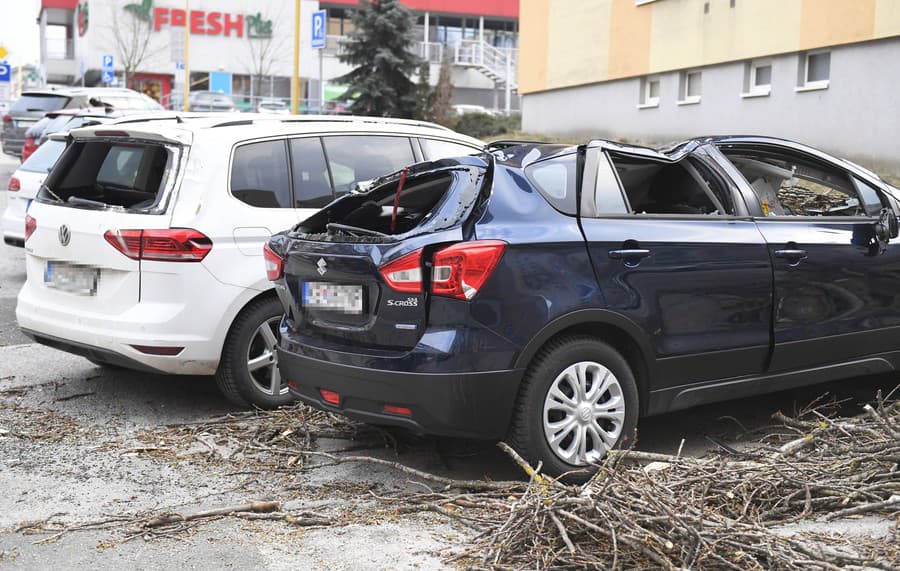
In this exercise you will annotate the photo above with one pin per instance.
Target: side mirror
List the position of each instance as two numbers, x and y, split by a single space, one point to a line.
887 226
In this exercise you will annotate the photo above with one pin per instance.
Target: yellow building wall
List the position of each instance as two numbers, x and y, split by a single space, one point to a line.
576 42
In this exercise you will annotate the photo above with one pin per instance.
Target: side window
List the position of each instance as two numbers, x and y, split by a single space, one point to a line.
312 183
357 158
791 184
259 175
435 149
685 187
555 180
870 197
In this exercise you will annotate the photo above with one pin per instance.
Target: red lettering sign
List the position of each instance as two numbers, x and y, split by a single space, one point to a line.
214 21
197 22
160 17
237 25
178 17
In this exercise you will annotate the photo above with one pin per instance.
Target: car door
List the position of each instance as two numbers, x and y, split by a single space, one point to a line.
674 252
836 292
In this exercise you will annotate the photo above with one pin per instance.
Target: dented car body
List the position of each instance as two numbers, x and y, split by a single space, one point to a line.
551 295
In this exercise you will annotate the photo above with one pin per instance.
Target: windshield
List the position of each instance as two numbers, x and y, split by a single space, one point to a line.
43 159
111 173
42 103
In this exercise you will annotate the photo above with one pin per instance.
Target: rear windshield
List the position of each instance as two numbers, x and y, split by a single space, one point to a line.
43 159
101 174
42 103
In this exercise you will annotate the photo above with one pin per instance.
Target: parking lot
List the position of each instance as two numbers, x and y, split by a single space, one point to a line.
82 445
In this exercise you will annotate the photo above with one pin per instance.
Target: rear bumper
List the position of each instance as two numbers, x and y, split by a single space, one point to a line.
13 146
93 353
469 405
13 223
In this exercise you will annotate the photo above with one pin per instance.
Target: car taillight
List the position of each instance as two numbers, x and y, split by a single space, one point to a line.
405 273
461 269
7 119
170 245
14 185
274 264
30 226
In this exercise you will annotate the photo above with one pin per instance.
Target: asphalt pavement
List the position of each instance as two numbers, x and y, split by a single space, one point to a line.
69 432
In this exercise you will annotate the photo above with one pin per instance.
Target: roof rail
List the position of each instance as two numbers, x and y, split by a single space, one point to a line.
363 119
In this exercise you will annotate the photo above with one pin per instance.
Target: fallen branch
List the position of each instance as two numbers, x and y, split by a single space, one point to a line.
169 518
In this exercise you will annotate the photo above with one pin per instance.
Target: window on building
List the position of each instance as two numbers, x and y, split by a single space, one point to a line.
259 175
650 87
814 70
758 78
690 87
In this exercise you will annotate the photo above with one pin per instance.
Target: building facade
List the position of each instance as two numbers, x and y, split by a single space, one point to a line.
252 40
656 71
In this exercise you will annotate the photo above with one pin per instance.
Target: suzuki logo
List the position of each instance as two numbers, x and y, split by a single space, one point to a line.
322 265
64 235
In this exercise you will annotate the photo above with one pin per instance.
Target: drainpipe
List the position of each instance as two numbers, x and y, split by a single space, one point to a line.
427 47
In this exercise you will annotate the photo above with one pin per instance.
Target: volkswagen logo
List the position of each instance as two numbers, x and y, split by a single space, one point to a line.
64 235
322 265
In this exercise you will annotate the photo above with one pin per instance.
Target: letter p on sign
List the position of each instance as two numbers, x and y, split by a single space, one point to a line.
318 29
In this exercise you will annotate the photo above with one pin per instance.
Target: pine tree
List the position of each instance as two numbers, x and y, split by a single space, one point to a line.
424 93
441 105
379 50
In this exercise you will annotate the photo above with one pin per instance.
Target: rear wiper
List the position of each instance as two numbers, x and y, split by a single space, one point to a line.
353 229
86 202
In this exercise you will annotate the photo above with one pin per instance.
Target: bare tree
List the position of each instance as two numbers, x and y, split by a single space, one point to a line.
263 54
132 34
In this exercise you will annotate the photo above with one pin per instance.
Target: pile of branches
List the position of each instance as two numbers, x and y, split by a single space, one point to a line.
727 511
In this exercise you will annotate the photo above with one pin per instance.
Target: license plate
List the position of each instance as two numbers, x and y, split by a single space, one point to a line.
25 123
72 278
334 297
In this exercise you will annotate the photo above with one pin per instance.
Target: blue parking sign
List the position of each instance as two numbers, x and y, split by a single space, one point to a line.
4 72
319 17
108 74
108 62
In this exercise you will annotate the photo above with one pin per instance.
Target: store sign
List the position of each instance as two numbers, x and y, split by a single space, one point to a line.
201 22
81 16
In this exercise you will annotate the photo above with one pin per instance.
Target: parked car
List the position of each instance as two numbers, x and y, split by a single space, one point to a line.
210 101
276 106
23 188
144 246
551 295
33 105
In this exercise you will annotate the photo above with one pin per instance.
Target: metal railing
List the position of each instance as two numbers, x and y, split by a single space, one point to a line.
503 62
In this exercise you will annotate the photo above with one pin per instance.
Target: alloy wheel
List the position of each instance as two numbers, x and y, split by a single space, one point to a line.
262 359
584 413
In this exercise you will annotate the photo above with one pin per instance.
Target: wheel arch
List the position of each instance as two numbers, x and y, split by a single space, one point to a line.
619 332
235 309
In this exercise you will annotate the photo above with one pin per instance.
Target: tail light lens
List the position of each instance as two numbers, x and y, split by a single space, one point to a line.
7 119
28 148
405 273
14 185
169 245
30 226
461 269
274 264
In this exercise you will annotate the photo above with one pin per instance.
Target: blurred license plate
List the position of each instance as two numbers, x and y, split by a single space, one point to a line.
81 280
334 297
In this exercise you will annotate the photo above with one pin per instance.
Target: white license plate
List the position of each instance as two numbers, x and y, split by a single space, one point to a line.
25 122
334 297
72 278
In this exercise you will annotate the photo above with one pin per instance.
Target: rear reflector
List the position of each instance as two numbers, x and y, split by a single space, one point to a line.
405 273
169 245
394 409
274 264
151 350
14 185
30 226
330 397
461 269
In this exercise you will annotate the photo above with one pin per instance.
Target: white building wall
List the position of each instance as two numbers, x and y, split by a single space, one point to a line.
855 117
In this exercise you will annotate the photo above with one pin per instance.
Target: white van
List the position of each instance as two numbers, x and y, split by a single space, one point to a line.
144 245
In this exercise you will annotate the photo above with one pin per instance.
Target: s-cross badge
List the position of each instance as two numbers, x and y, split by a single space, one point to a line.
64 235
322 265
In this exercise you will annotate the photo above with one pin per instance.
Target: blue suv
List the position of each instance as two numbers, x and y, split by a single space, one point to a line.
552 295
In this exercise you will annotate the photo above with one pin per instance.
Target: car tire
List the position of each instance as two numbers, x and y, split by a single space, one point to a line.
248 345
551 418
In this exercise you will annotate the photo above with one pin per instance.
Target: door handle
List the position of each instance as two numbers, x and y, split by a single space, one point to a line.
791 254
628 254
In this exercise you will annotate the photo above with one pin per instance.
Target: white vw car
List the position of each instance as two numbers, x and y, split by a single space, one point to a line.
144 246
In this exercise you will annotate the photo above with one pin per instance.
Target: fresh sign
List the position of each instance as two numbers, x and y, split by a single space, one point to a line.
202 22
